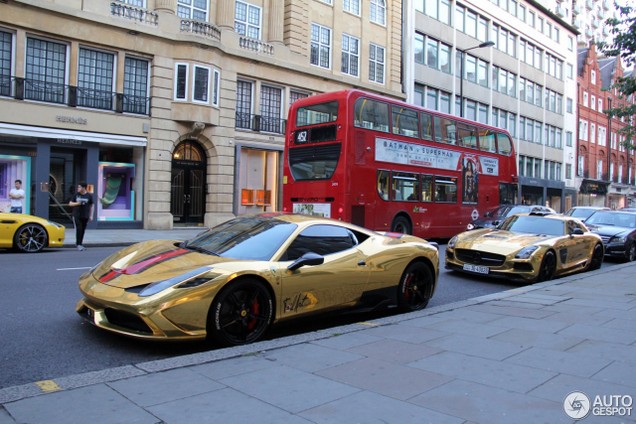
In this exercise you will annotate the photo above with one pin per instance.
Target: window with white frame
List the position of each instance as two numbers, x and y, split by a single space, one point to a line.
581 166
320 46
193 9
602 136
351 6
378 11
6 59
376 63
45 79
585 99
201 86
271 109
599 169
583 135
593 102
350 55
592 132
136 82
593 77
600 105
95 79
181 81
247 19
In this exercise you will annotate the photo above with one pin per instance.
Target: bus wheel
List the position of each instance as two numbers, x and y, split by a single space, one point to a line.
401 225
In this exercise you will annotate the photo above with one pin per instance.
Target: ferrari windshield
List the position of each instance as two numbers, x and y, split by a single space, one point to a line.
249 238
533 225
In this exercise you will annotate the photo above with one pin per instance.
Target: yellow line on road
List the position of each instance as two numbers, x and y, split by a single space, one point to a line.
48 385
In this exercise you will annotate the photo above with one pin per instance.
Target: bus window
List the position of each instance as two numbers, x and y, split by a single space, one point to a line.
446 189
317 114
317 162
427 126
372 114
383 185
405 186
487 142
504 143
427 188
445 130
467 136
404 121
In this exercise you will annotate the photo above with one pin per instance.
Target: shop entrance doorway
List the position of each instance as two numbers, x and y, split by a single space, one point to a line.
187 202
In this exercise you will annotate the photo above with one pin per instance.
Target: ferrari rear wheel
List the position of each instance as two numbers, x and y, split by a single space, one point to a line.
548 266
416 287
597 257
240 313
30 238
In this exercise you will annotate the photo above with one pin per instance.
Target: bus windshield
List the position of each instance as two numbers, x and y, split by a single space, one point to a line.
317 114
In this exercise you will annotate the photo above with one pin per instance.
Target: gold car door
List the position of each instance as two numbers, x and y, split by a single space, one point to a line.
574 248
338 281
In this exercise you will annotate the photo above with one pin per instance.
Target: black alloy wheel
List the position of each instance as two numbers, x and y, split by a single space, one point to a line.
240 313
548 266
30 238
630 254
416 287
597 257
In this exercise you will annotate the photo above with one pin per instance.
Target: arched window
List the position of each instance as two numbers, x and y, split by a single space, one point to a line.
188 150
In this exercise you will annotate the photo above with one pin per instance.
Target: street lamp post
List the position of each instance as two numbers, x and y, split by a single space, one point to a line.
461 71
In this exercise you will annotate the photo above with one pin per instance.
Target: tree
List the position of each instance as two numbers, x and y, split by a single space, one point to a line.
623 46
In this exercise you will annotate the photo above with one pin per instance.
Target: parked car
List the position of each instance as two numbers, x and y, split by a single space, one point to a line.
494 217
584 212
527 248
28 233
233 281
627 209
618 232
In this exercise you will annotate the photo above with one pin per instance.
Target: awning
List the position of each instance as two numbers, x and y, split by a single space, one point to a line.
92 137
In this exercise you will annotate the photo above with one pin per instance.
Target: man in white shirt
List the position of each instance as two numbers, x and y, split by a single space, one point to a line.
16 195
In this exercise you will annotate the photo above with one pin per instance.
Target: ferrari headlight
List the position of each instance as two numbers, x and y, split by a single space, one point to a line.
162 285
526 252
451 242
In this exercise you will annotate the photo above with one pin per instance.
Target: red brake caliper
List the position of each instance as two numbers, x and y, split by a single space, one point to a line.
255 308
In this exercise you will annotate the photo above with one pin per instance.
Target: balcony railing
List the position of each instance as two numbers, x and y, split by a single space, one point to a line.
260 123
201 28
48 92
255 45
136 14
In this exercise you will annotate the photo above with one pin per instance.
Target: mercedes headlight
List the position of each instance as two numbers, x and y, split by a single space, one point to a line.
451 242
526 252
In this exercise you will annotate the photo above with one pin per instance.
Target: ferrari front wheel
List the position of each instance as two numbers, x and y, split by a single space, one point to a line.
548 266
416 287
240 313
30 238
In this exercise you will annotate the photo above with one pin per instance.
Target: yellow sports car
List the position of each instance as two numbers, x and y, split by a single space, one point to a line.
233 281
527 248
28 233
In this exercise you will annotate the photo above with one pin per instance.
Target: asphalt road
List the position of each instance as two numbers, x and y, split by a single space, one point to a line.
41 336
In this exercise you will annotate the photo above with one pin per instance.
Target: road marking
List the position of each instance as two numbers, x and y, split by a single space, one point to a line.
73 269
48 385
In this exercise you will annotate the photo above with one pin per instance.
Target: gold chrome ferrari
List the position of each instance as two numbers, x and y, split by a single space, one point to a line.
29 233
233 281
527 248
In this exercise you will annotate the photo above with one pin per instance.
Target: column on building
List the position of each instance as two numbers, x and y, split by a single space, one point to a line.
276 14
225 14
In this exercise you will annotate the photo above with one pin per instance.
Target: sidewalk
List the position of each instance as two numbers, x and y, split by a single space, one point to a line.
101 237
512 357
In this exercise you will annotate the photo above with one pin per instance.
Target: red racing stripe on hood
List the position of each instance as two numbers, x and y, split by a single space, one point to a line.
142 265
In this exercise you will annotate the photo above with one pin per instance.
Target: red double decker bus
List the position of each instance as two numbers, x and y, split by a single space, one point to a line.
390 166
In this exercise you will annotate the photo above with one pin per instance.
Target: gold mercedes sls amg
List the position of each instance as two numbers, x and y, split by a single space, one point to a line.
28 233
231 282
527 248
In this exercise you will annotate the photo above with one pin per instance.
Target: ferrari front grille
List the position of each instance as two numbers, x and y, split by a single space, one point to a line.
127 320
477 257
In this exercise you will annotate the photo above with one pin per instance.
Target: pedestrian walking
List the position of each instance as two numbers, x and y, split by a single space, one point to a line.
82 204
16 195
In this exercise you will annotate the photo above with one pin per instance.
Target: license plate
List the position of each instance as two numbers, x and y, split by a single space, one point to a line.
476 268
